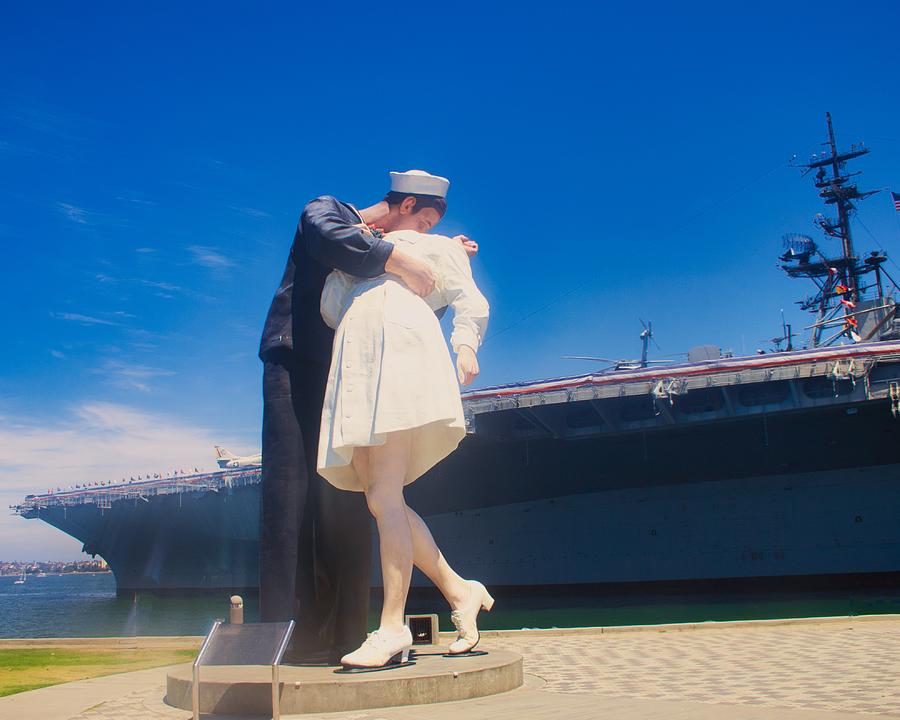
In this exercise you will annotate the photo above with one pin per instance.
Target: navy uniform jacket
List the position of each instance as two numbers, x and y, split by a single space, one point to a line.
326 239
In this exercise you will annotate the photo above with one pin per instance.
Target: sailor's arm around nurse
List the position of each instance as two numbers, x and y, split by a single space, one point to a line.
353 249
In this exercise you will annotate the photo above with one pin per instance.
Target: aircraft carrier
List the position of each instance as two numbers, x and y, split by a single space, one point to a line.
779 466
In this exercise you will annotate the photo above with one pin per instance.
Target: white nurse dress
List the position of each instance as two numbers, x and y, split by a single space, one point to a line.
390 367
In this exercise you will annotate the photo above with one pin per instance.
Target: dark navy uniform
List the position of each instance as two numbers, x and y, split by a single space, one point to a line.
315 540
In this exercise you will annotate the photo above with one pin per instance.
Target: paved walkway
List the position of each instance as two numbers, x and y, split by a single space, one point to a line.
751 671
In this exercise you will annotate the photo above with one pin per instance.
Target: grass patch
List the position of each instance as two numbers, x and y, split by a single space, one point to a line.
24 669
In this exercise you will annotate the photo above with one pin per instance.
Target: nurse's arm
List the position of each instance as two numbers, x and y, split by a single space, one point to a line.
470 307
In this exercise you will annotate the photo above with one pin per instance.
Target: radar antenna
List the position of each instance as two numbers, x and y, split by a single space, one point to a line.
614 365
839 301
646 337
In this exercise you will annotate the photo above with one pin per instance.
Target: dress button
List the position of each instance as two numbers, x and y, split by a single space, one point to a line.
348 364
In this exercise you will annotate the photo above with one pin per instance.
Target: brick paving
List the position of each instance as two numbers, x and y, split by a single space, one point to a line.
833 670
848 667
145 704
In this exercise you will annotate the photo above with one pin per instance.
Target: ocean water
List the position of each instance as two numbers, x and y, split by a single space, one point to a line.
86 606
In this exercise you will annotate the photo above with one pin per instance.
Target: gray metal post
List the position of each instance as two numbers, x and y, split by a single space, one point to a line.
276 703
195 693
195 685
276 661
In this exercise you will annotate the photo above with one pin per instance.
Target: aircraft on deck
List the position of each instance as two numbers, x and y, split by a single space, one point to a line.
230 460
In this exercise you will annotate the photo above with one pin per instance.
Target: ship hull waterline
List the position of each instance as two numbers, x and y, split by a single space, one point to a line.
716 501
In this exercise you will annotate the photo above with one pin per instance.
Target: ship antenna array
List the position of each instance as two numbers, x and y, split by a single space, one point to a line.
646 339
839 280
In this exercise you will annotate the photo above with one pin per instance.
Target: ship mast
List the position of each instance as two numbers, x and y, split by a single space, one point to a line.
836 190
840 280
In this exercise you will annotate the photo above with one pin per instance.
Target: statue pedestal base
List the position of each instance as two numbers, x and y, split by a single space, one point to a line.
247 690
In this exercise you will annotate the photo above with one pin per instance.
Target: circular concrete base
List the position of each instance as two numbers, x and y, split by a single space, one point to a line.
247 689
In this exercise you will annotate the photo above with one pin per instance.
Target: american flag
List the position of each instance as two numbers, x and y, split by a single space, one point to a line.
896 198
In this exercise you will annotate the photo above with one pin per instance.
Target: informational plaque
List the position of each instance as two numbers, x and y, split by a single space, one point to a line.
243 644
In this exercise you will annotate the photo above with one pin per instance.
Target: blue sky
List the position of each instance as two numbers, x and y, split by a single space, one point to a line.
624 163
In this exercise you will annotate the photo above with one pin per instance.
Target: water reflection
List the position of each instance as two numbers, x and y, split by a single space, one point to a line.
87 606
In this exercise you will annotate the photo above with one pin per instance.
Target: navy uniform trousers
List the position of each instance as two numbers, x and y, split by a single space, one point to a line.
315 540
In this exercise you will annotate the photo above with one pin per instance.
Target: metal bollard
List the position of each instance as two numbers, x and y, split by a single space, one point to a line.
236 611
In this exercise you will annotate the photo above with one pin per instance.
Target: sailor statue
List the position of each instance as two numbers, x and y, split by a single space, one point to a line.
315 539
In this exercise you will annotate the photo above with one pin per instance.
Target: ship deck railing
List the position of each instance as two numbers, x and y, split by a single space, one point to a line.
669 380
140 490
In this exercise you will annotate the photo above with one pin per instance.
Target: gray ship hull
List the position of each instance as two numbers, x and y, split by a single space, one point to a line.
617 510
817 523
758 476
820 523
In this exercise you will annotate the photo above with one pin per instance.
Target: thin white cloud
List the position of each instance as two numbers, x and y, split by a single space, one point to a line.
81 216
132 198
90 442
83 319
132 376
160 285
73 212
57 122
209 257
57 354
250 212
155 284
145 250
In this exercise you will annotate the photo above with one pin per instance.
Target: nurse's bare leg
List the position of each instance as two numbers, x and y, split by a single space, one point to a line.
426 554
360 463
428 557
386 465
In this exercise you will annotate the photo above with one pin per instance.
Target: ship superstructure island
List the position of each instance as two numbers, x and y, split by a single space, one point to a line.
777 465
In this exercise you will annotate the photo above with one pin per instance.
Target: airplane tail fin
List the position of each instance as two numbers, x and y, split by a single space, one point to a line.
223 454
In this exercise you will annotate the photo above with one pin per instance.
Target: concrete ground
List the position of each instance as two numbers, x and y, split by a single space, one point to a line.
830 669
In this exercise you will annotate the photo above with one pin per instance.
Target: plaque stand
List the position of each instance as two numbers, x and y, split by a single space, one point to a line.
243 644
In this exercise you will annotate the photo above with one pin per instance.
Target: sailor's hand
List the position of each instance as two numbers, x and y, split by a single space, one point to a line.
466 365
415 274
470 246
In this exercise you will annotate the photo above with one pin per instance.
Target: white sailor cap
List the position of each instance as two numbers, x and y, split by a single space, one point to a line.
419 182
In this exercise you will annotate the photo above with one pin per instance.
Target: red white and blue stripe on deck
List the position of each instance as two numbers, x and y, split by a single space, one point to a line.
682 370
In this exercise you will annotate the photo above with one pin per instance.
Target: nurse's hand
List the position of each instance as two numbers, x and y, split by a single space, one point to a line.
469 245
415 274
466 365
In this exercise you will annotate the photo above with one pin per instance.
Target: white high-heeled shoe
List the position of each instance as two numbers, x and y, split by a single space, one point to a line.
464 618
380 650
